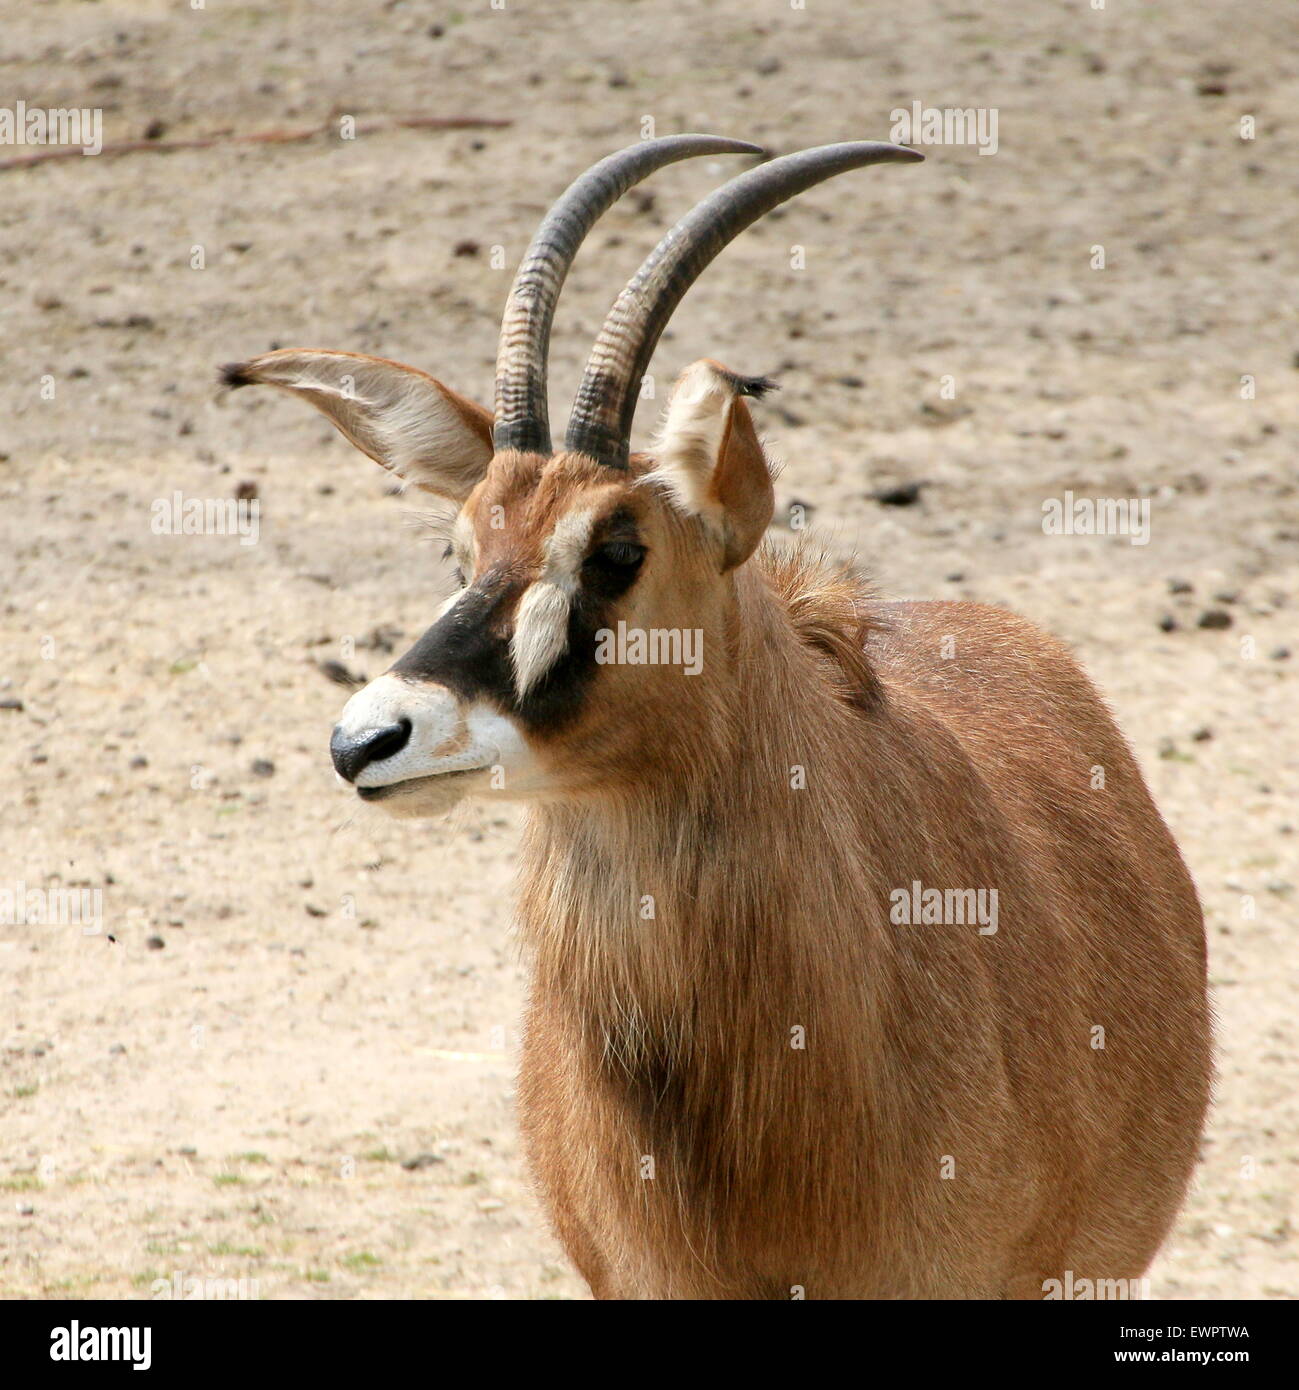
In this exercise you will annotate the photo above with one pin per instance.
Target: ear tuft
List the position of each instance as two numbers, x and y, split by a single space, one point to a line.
755 386
236 374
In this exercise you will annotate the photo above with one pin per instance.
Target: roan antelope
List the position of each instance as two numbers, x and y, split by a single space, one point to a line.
747 1072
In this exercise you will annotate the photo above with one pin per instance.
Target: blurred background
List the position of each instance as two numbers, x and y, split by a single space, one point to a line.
287 1055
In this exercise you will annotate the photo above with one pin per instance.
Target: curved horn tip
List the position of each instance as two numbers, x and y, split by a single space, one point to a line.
725 145
882 150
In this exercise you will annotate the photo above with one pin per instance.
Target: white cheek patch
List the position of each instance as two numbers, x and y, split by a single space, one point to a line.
541 620
566 546
540 633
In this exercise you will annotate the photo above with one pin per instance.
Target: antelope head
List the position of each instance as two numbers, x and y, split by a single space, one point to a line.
511 691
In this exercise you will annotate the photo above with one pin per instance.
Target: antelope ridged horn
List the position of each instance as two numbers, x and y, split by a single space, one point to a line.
600 423
522 419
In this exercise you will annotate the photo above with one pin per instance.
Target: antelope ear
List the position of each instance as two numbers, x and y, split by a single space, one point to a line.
709 456
413 426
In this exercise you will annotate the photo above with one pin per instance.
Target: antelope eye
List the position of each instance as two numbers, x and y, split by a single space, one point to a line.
456 572
619 554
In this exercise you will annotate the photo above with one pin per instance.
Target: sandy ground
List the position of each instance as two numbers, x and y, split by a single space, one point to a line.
288 1056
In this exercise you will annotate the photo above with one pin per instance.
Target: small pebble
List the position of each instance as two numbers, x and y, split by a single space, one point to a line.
904 495
339 674
425 1160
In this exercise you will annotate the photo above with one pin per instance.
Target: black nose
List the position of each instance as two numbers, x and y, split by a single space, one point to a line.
352 753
